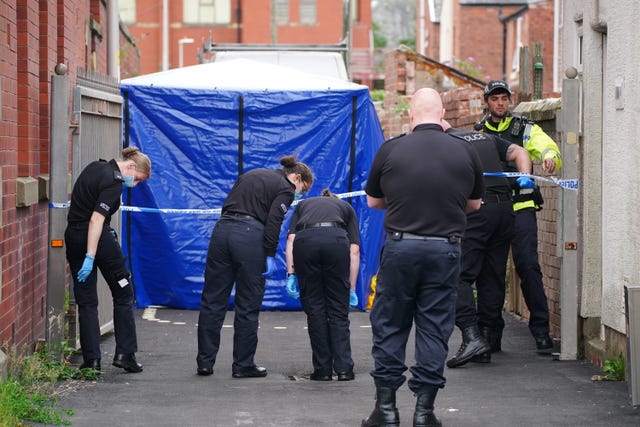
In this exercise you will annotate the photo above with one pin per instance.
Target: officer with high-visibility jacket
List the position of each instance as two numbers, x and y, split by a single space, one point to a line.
526 201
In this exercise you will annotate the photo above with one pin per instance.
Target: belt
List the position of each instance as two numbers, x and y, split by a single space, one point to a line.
399 235
238 215
496 197
333 224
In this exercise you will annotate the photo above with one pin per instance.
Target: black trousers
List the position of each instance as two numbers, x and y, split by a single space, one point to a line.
417 283
111 262
321 258
524 249
485 248
235 254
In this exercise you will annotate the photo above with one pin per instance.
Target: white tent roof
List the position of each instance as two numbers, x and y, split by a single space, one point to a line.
239 74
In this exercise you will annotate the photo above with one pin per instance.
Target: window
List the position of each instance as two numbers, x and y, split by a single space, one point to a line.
206 11
127 11
515 65
281 12
307 12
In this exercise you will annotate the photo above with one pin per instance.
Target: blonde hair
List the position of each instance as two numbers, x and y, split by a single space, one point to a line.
143 164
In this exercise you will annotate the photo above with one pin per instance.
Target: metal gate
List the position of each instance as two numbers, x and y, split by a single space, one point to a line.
97 134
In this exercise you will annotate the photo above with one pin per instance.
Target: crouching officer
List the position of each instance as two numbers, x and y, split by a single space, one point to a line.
91 242
526 201
323 253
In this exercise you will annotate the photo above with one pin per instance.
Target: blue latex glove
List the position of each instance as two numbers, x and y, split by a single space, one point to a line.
86 269
353 298
525 182
271 267
293 290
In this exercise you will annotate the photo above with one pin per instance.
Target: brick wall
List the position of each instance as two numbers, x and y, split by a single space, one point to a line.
36 35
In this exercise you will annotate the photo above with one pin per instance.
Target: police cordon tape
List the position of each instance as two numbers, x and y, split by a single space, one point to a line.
569 184
216 211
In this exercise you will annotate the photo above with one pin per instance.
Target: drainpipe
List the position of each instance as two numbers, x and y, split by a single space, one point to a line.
165 35
113 39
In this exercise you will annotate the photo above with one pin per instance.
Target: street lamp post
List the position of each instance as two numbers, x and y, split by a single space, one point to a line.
181 44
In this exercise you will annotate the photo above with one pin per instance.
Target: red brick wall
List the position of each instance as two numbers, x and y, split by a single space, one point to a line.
35 35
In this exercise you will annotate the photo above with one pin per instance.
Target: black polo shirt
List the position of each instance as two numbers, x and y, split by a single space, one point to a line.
493 152
97 189
426 178
326 209
265 195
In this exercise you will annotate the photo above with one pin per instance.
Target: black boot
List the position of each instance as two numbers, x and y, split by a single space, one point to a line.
473 344
424 416
385 413
493 337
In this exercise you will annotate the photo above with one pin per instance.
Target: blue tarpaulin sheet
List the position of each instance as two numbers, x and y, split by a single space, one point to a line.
201 126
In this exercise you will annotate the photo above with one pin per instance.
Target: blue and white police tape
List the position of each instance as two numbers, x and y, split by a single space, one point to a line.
569 184
216 211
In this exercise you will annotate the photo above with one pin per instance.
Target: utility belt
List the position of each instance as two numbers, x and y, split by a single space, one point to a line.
529 194
233 215
333 224
400 235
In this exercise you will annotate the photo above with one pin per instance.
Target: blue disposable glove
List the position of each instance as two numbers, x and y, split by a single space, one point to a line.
293 290
525 182
271 267
86 269
353 298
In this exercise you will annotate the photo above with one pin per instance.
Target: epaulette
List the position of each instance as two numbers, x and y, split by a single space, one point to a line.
393 138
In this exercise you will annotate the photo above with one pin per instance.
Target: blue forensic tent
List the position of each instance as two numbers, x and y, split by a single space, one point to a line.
204 125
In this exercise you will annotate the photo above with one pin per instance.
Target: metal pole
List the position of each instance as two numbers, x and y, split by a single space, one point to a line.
58 193
113 39
165 35
569 221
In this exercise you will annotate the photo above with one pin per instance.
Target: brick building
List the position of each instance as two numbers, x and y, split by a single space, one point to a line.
36 35
488 35
163 36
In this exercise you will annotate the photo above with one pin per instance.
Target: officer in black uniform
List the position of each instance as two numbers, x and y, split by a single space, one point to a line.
323 253
426 181
526 202
91 242
245 236
485 248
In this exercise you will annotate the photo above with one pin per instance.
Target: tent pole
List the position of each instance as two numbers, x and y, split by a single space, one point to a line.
240 134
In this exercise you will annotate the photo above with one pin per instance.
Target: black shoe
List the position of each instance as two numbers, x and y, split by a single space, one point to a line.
91 364
544 343
317 376
205 371
346 376
251 372
127 361
482 358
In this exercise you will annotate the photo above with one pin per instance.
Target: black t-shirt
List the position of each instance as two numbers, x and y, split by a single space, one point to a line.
326 209
97 189
265 195
426 178
493 152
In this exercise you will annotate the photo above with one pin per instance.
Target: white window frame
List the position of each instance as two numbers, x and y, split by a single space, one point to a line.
281 12
206 12
308 12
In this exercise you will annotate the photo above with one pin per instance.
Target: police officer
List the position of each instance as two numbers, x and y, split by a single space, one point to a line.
323 253
242 241
526 201
91 242
485 247
426 181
